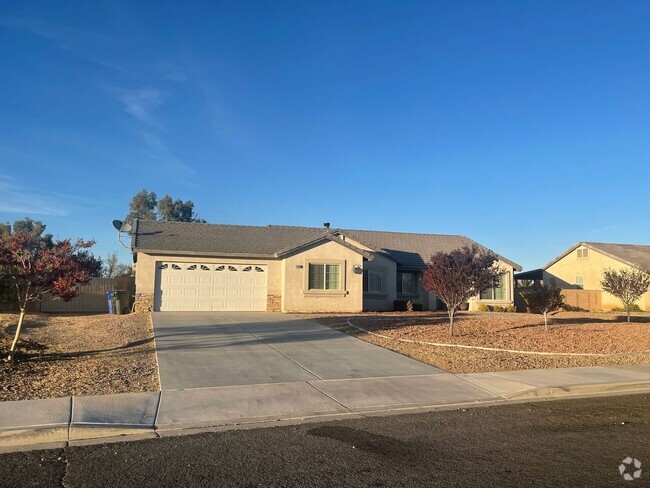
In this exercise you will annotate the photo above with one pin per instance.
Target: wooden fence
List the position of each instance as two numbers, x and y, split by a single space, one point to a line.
587 300
91 297
578 300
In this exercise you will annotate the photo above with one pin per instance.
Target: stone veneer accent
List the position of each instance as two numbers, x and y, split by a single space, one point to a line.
143 302
273 303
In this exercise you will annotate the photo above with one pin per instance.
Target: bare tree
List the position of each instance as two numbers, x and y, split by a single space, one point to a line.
628 285
458 275
545 299
112 268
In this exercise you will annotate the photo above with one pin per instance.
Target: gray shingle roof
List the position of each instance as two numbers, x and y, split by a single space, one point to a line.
413 250
409 250
218 238
632 254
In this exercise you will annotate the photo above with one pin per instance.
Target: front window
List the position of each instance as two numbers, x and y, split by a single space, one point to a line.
324 276
580 282
406 283
497 292
372 280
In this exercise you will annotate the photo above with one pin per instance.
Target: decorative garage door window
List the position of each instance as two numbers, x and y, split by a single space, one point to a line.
204 286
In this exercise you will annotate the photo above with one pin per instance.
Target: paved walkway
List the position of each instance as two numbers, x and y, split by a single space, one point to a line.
212 349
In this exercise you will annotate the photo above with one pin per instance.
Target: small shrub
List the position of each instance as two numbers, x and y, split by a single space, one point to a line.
633 308
406 306
483 308
511 309
498 308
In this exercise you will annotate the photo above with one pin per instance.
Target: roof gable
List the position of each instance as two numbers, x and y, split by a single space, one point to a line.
631 254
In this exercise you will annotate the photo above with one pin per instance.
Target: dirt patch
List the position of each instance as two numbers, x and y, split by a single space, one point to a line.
62 355
570 332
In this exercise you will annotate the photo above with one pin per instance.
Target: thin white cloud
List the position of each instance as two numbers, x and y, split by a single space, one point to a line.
65 37
158 151
19 199
98 48
142 103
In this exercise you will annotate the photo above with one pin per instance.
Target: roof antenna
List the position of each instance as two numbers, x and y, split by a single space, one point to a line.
122 227
326 225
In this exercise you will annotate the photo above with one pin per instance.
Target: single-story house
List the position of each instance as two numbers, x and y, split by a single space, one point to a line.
581 268
195 266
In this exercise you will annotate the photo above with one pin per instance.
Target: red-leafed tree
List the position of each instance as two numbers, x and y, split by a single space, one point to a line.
34 265
457 276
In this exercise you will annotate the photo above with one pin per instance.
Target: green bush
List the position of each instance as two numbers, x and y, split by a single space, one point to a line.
633 308
483 308
511 309
498 308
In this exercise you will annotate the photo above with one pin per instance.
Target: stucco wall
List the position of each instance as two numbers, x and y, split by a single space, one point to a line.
377 302
295 269
591 269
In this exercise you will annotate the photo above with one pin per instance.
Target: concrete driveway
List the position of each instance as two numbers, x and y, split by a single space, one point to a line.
216 349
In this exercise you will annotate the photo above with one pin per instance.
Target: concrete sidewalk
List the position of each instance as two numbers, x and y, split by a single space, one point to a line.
36 424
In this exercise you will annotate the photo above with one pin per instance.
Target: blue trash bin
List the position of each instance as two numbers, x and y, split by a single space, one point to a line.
109 298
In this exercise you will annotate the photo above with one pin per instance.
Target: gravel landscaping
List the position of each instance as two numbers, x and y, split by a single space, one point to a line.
570 332
62 355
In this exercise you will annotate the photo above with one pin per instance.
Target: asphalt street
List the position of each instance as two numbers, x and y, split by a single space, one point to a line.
568 443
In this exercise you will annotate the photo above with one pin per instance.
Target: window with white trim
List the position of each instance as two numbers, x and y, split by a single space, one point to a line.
499 292
324 276
583 253
406 283
373 280
580 282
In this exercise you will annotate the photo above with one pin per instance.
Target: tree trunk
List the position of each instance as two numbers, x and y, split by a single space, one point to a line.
452 311
628 312
545 321
10 358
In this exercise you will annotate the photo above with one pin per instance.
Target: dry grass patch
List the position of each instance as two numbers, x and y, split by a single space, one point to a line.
62 355
571 332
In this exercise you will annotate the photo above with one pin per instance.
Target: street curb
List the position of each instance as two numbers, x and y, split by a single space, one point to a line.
558 392
19 437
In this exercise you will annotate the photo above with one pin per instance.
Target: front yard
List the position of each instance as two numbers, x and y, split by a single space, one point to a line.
571 332
62 355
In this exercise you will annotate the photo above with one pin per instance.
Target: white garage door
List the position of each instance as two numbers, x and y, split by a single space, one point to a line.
203 286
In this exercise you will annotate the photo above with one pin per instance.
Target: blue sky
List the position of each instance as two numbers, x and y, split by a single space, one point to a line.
524 125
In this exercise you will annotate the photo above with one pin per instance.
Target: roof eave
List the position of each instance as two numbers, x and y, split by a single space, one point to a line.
515 266
170 252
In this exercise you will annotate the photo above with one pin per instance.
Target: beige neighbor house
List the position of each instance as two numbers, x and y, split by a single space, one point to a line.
581 268
192 266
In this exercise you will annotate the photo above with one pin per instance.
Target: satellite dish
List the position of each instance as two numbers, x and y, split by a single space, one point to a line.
122 227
